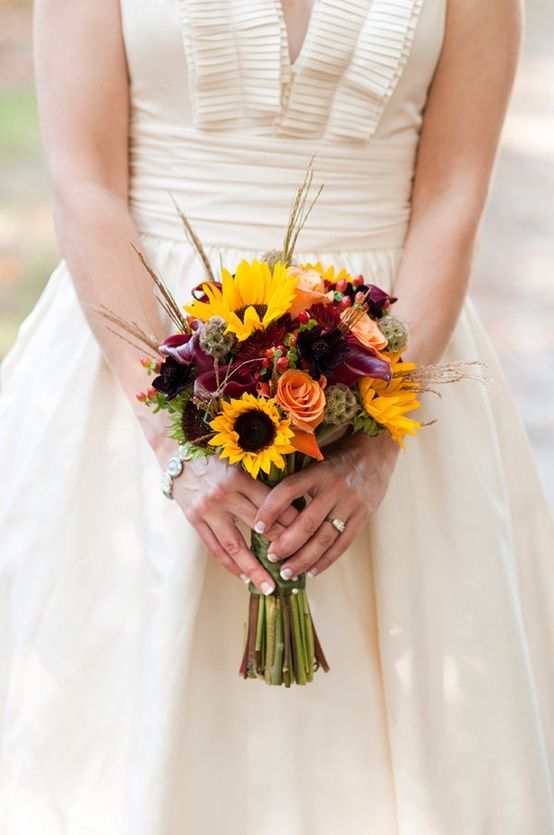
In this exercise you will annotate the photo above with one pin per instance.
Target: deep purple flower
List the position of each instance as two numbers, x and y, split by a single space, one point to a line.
234 380
321 352
185 348
358 363
174 377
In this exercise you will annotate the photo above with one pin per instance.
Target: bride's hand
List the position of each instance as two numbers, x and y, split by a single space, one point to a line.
349 485
214 496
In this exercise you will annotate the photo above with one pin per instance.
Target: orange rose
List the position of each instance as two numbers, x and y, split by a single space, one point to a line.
366 331
302 398
309 290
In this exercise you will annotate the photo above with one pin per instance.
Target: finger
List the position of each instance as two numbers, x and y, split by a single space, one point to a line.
257 493
306 524
233 544
282 496
340 545
213 548
322 540
242 509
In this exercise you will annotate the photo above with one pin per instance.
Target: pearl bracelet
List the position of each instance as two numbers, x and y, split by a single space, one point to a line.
173 469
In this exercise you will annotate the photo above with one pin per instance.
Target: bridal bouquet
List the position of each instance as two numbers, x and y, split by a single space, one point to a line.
267 359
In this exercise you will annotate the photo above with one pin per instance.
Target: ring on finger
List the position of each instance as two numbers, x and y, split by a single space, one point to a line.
338 524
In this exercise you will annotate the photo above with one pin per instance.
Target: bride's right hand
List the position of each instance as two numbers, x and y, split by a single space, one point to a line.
214 495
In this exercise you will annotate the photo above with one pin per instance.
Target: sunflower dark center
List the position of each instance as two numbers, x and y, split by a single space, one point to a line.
261 310
255 429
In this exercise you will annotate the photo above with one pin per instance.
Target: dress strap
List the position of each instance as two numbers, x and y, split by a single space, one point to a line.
353 57
236 61
375 69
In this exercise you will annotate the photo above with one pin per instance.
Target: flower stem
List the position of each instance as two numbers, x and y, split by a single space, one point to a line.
277 669
282 646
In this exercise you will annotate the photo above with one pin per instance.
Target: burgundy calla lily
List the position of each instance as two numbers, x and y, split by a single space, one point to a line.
185 348
378 301
359 363
239 378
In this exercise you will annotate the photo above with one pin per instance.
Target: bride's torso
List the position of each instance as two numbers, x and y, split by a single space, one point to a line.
222 119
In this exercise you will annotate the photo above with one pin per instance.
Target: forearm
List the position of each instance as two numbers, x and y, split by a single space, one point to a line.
434 275
95 231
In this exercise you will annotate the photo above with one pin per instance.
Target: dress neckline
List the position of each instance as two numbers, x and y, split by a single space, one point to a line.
307 34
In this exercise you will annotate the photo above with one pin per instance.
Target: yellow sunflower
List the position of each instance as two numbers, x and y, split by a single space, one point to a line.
250 300
328 274
389 402
251 432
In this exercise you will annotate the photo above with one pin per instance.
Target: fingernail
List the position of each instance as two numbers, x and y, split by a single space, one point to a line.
267 588
312 572
286 573
295 591
272 557
295 578
245 578
259 527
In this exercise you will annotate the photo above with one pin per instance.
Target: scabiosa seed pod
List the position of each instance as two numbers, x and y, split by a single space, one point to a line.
395 331
273 255
213 339
340 405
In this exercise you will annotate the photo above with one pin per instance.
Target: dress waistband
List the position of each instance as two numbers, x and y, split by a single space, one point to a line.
237 190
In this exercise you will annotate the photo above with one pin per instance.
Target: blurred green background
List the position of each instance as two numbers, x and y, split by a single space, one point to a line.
513 285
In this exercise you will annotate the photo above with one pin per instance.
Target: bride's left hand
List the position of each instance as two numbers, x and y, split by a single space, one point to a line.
349 485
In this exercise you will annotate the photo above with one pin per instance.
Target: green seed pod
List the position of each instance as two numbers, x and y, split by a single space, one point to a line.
395 331
272 256
213 339
340 405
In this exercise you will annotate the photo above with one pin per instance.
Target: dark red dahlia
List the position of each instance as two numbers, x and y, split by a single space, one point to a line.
256 345
327 316
321 352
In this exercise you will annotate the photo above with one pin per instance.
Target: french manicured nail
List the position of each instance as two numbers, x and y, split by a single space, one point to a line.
272 558
267 588
312 572
245 578
259 527
295 578
286 573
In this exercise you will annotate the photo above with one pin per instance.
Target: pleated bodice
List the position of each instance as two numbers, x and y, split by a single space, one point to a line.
223 120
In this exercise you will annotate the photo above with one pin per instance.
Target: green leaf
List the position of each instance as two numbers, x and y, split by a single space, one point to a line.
364 423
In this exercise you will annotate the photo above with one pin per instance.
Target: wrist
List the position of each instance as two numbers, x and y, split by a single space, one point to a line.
378 453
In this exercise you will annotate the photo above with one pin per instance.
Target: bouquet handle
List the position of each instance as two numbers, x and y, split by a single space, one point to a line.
282 646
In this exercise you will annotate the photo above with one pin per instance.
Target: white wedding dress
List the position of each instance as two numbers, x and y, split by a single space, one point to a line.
121 708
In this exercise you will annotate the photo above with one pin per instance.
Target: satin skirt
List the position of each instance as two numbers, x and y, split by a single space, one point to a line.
121 708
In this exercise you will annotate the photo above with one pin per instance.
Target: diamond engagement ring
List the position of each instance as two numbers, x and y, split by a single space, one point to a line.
173 469
338 524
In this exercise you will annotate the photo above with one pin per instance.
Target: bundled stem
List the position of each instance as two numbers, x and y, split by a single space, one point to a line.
281 643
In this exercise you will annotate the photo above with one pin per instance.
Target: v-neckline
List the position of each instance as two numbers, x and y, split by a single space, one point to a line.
307 34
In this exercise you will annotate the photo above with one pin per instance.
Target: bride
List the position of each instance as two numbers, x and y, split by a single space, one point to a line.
122 711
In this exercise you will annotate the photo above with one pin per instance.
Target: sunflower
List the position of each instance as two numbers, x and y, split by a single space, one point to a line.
251 431
248 301
389 402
